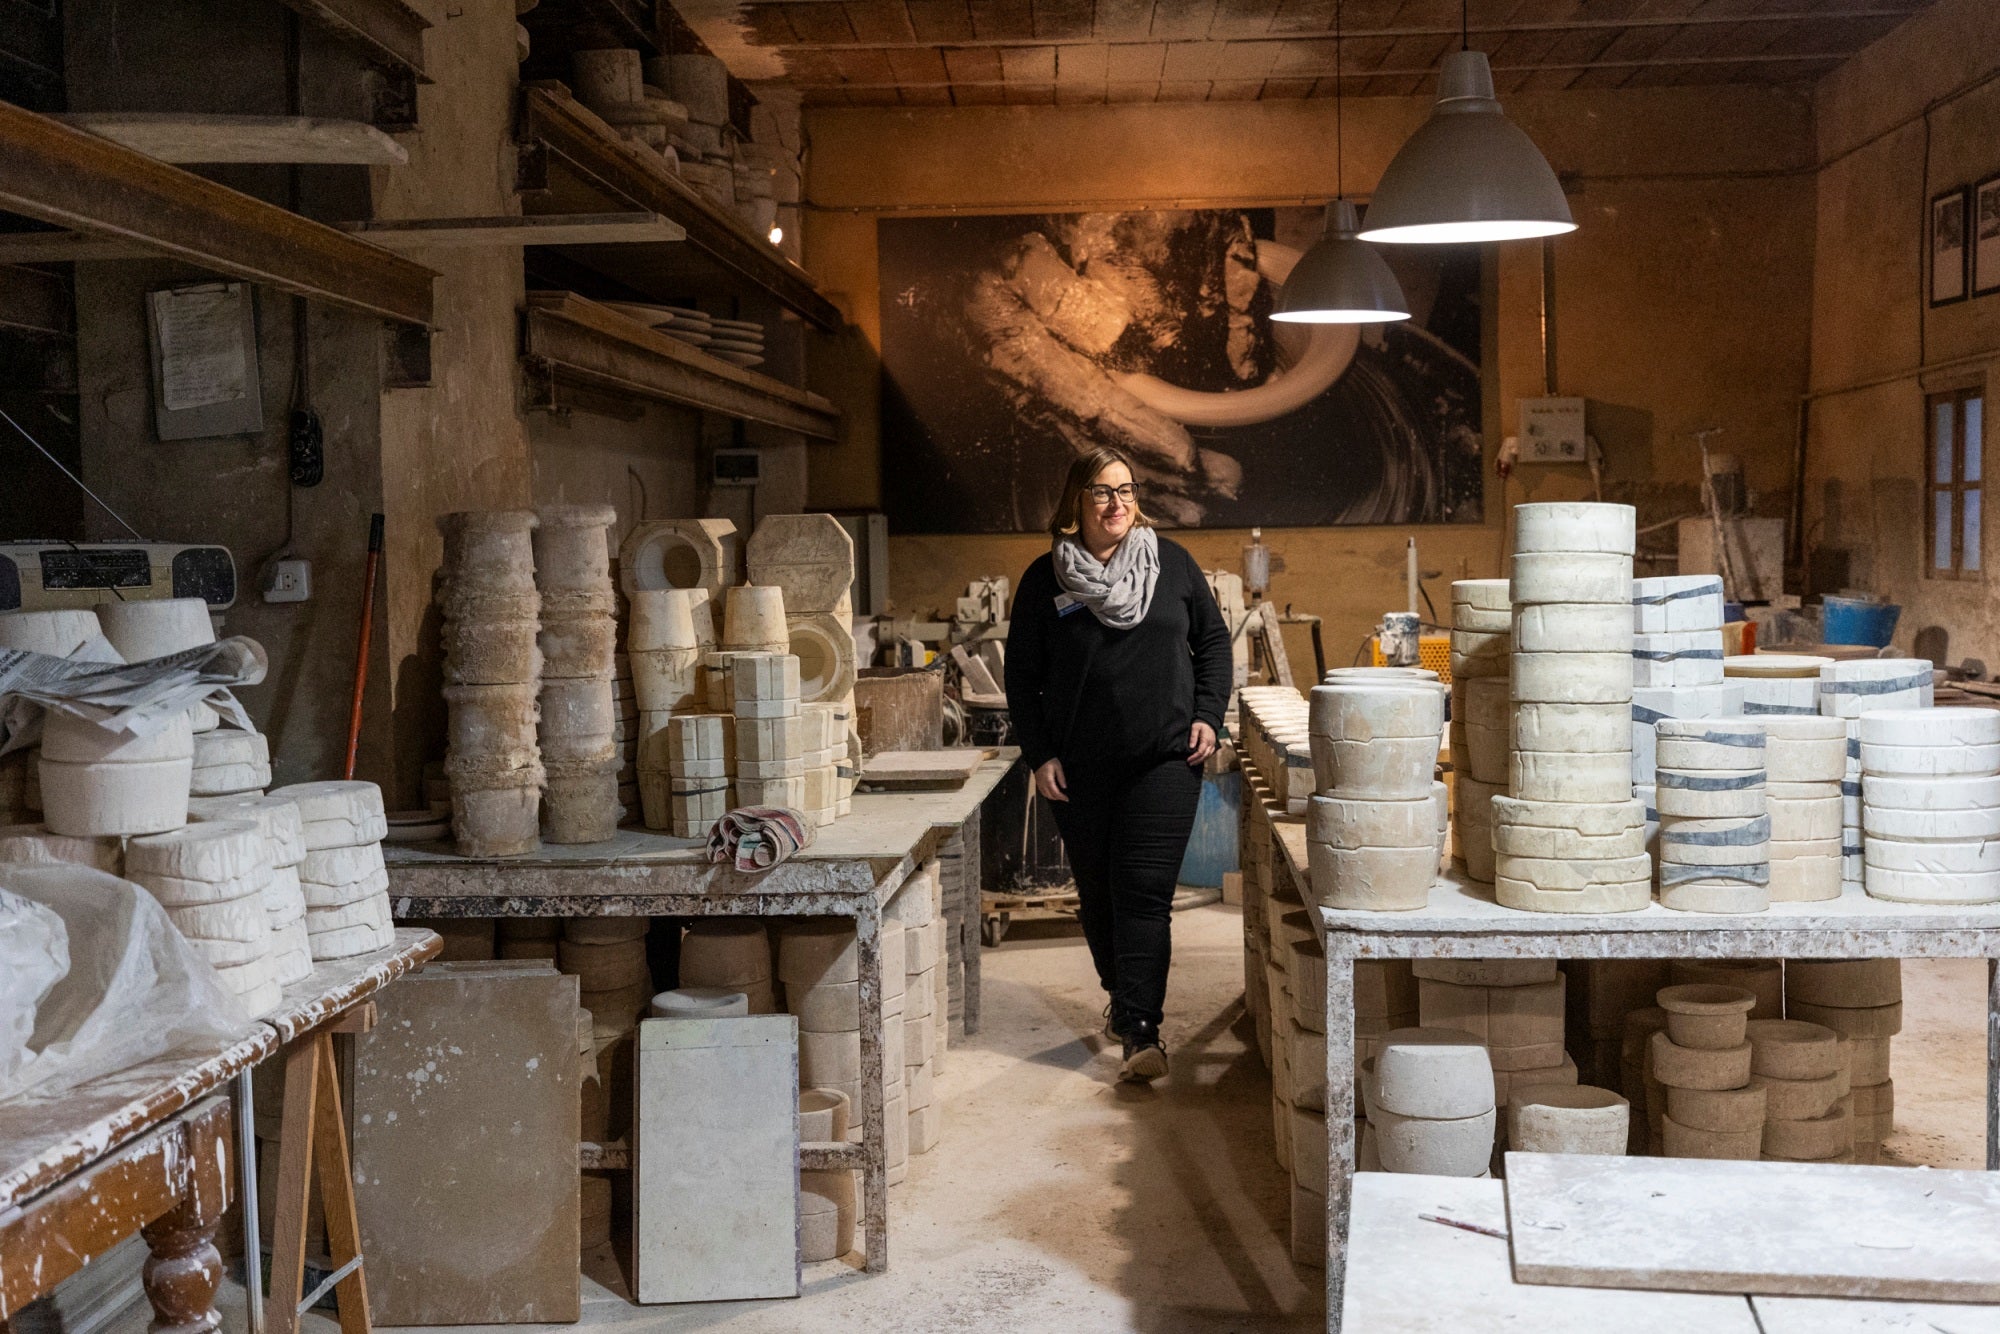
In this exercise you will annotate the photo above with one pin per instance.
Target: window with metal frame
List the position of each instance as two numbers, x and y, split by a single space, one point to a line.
1954 424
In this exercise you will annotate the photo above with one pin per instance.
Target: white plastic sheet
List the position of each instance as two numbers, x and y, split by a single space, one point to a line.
133 990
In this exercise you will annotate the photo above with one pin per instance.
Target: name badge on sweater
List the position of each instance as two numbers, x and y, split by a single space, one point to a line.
1065 604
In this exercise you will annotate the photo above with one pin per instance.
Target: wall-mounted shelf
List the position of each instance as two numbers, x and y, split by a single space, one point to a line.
389 32
568 338
567 151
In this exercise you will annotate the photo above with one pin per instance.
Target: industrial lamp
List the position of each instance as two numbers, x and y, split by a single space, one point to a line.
1468 173
1340 279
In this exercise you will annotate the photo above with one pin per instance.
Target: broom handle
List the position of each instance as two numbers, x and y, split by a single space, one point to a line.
361 650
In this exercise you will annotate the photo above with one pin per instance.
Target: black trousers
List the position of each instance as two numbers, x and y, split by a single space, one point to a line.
1126 829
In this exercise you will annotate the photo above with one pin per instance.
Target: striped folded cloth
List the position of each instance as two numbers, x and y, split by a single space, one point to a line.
756 838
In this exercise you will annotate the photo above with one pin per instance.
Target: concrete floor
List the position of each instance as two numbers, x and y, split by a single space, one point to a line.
1060 1200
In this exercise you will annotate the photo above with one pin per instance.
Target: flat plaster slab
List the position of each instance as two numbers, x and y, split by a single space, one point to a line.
1790 1229
1409 1276
1828 1315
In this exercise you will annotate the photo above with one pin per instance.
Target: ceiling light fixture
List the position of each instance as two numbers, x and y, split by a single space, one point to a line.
1468 173
1340 279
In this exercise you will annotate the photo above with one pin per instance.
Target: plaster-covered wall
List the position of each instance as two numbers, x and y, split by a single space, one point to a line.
1682 298
1914 114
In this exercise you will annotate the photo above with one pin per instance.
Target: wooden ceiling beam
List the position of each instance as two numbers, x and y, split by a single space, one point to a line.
74 179
388 31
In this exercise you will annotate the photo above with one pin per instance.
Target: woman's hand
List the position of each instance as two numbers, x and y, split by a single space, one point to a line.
1050 781
1201 742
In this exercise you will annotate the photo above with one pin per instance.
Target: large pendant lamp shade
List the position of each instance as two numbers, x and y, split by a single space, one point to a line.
1468 174
1341 280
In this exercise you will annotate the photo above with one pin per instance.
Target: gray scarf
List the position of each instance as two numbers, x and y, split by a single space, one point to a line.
1119 593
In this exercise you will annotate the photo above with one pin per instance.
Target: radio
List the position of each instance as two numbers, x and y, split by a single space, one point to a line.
44 576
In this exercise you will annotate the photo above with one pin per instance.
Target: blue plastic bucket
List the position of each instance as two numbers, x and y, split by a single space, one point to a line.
1859 621
1211 848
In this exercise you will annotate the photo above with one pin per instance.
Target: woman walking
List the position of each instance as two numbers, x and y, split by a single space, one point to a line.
1118 672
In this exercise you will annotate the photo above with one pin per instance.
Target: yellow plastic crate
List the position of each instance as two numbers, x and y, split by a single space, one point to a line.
1433 652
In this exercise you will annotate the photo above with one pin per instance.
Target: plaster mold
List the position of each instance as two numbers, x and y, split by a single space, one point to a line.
1568 577
1574 526
809 556
1567 1118
109 797
679 553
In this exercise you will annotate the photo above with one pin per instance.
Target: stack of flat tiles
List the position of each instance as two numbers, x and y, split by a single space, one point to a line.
824 741
1430 1103
1862 1001
1372 825
1921 772
919 906
1714 831
697 774
99 783
211 879
229 762
1571 687
579 731
1683 609
1805 756
493 673
770 734
346 885
1482 733
284 897
1515 1007
1848 689
1702 1059
1804 1074
628 734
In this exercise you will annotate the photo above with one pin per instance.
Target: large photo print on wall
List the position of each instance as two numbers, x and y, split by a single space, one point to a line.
1012 342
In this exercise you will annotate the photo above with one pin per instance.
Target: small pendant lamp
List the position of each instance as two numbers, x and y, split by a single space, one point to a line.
1341 279
1468 173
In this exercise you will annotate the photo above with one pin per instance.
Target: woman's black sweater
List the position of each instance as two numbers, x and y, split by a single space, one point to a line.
1077 688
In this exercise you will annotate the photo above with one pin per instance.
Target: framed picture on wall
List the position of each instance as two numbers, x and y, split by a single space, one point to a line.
1986 236
1950 255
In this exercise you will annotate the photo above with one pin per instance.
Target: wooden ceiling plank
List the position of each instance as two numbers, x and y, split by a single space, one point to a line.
940 20
1056 20
1003 20
879 21
1122 19
1183 20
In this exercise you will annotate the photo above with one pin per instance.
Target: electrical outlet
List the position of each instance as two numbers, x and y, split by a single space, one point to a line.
291 581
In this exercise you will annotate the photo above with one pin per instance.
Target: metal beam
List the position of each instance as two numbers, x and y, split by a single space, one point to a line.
565 337
173 137
555 125
73 179
543 229
389 32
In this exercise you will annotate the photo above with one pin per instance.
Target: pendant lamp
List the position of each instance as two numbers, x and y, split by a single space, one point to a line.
1340 279
1468 173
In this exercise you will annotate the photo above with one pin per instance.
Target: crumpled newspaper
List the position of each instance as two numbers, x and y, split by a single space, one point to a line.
756 838
135 697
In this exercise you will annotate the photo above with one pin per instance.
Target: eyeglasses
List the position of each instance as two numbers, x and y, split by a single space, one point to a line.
1101 495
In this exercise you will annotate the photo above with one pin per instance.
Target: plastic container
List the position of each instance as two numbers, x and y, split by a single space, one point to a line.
1859 621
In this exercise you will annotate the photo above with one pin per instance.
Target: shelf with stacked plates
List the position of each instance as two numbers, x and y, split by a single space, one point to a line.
666 354
573 160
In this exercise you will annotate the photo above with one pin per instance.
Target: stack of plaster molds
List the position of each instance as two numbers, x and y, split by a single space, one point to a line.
1373 825
493 674
1862 1001
919 906
665 660
1568 1118
284 834
1289 927
346 885
1564 842
1848 689
211 880
826 1199
810 559
1646 1093
1714 831
1702 1059
696 554
34 845
1482 734
1515 1006
819 961
629 732
694 791
1804 1075
1805 758
62 633
824 741
607 956
770 734
527 938
1762 978
1601 992
578 734
733 954
1675 613
1430 1103
230 762
1922 770
96 782
1279 743
1776 684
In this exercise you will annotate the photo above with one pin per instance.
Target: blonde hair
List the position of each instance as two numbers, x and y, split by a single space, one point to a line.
1083 471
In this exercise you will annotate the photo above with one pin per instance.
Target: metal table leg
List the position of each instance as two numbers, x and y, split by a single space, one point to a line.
1340 1149
246 1194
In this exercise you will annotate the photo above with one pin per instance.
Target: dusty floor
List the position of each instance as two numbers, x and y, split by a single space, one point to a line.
1061 1201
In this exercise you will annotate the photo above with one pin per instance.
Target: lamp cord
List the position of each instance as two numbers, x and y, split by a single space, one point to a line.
1339 114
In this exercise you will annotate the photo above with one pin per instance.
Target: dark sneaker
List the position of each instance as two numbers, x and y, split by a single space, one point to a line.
1111 1026
1145 1055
